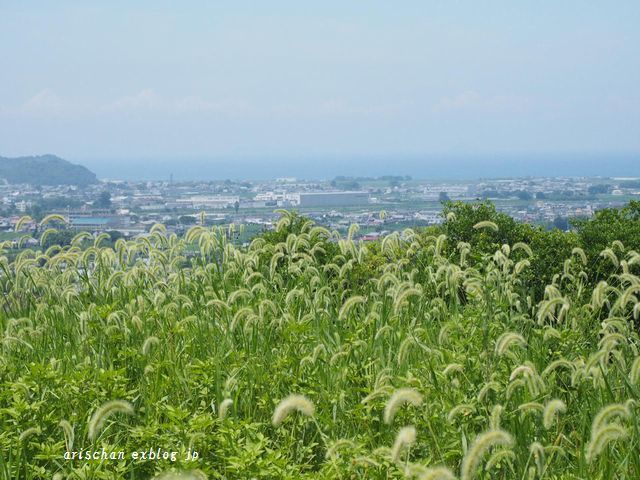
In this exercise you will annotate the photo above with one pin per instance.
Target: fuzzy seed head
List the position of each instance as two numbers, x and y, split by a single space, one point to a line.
405 438
486 225
398 399
69 434
225 405
553 408
28 433
606 414
479 448
507 340
437 473
634 375
148 343
537 452
603 437
290 404
104 412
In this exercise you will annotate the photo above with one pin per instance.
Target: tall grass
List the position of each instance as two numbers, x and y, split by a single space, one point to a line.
308 359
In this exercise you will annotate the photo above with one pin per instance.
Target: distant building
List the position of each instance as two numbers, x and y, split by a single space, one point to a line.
333 199
208 201
280 199
98 221
23 206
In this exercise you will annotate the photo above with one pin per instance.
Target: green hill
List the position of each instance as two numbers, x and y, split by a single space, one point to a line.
44 170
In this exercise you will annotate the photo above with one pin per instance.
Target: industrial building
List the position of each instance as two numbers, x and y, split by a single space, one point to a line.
333 199
207 201
97 221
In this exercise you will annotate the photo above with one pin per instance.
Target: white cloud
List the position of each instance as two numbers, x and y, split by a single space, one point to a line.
45 103
44 100
473 101
145 100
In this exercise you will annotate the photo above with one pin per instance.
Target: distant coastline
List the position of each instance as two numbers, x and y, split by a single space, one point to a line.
439 167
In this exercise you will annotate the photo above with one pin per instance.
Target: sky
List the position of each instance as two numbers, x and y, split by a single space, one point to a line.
116 81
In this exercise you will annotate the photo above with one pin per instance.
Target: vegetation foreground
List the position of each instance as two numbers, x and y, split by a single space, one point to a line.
438 355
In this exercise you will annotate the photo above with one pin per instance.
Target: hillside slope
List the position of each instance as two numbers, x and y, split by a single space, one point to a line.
44 170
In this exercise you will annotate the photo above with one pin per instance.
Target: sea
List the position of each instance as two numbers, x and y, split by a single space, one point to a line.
324 167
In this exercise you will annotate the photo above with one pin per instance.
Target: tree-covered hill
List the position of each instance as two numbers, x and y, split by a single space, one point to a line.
44 170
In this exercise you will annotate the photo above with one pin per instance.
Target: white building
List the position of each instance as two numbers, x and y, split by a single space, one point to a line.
208 201
333 199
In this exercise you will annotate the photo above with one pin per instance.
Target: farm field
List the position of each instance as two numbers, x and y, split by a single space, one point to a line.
465 351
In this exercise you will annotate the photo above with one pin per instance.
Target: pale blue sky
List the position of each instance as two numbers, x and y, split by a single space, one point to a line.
146 79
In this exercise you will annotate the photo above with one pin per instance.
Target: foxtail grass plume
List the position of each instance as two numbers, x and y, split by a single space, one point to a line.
419 471
486 224
537 452
462 408
405 438
349 305
524 247
495 417
479 448
486 388
603 437
607 413
225 405
437 473
398 399
603 432
148 343
579 252
28 433
634 374
507 340
104 412
557 364
531 407
551 410
69 435
452 367
290 404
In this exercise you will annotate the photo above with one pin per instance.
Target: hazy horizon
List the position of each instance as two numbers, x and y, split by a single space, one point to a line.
123 82
324 167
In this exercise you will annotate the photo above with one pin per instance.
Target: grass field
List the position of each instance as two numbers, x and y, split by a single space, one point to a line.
311 358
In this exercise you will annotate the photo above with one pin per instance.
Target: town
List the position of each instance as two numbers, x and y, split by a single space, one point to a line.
378 205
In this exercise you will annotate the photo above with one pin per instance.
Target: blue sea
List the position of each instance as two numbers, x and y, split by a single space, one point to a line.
435 167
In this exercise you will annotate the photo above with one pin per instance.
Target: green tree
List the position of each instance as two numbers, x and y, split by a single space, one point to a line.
103 200
548 246
60 237
607 226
